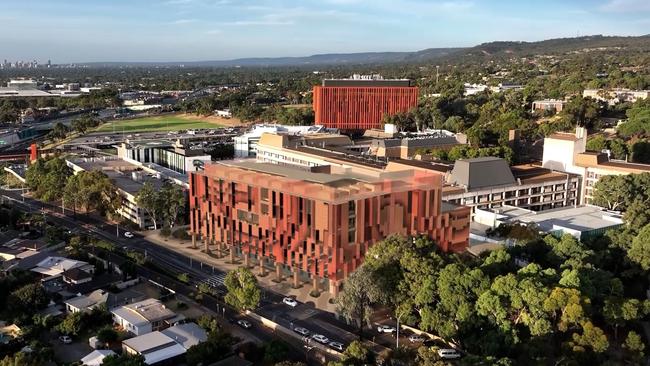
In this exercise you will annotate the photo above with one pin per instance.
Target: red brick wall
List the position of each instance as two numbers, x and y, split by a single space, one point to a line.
360 108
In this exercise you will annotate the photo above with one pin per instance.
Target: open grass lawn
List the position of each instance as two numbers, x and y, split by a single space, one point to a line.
156 123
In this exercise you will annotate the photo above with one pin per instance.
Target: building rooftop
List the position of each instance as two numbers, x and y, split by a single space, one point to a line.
155 347
150 310
563 136
52 266
329 183
481 172
96 357
88 301
367 83
187 334
584 218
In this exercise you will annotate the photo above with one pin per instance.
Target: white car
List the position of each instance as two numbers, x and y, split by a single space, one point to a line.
244 324
415 338
128 234
290 301
386 329
448 353
301 331
337 346
320 338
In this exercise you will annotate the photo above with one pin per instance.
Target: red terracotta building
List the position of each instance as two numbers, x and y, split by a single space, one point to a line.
315 224
360 104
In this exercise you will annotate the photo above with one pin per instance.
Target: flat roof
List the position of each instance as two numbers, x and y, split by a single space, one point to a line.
583 218
155 347
366 83
563 136
187 334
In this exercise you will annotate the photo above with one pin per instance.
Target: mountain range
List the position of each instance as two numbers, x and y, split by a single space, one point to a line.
491 49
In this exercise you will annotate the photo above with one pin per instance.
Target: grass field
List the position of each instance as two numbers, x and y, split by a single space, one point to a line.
157 123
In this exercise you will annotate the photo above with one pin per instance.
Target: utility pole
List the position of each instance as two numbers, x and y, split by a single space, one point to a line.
437 70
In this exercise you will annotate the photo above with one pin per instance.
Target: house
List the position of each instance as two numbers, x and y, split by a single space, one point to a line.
155 347
56 266
143 317
9 332
88 302
187 334
76 276
96 357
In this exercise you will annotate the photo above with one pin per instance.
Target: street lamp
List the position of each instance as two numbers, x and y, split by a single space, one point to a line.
307 348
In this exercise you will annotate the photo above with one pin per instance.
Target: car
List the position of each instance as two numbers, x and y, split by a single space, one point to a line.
128 234
290 301
301 331
416 338
244 324
320 338
65 339
386 328
337 346
448 353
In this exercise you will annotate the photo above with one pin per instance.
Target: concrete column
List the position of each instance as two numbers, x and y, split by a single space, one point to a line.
261 264
232 254
247 259
334 288
314 283
207 244
278 272
194 240
296 278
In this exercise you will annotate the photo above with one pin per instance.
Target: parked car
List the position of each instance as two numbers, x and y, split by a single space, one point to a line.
244 324
301 331
386 329
128 234
416 338
320 338
337 346
65 339
290 301
448 353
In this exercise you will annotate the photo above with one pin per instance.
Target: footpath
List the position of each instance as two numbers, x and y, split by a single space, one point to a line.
285 287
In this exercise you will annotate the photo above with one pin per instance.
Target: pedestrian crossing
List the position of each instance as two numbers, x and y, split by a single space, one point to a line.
216 281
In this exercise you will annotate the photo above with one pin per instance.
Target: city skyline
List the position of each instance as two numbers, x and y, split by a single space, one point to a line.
196 30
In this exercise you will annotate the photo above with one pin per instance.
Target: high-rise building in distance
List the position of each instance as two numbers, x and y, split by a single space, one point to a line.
360 103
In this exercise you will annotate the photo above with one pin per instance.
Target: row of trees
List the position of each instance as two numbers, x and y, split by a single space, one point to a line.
166 205
52 180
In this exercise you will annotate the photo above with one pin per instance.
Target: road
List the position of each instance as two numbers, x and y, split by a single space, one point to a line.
171 261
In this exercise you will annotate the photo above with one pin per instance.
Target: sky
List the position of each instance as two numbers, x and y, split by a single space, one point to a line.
68 31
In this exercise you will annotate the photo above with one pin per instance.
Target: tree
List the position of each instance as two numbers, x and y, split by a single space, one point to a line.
243 291
597 143
124 360
639 252
107 335
71 324
174 199
60 131
634 346
592 337
47 178
30 296
217 347
275 351
582 111
613 192
360 291
355 354
149 200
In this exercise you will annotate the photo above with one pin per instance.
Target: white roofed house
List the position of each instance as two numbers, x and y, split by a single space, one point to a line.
166 346
54 267
96 357
143 317
88 302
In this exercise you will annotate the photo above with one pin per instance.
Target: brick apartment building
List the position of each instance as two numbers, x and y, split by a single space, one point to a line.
315 224
360 104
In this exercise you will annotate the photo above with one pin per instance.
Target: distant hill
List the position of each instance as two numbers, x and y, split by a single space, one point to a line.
485 50
322 59
557 46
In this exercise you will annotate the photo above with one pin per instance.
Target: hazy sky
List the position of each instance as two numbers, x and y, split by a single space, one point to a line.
185 30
